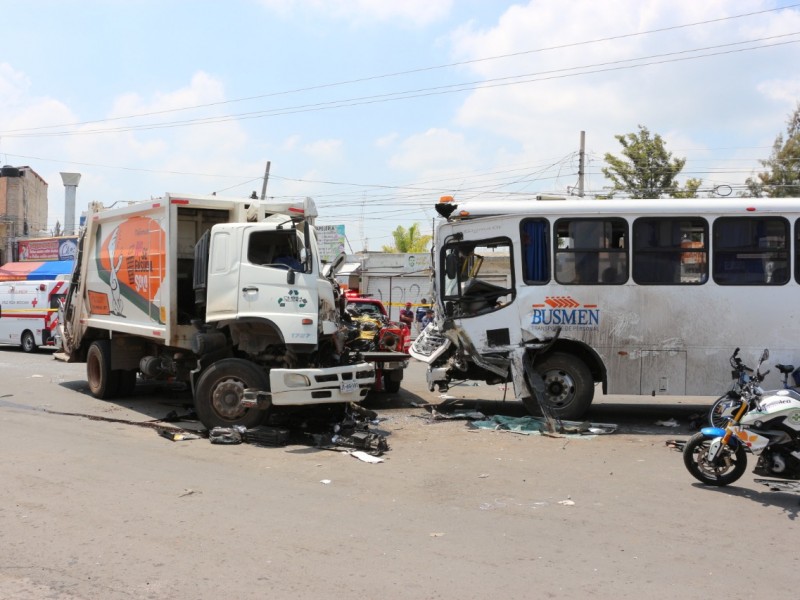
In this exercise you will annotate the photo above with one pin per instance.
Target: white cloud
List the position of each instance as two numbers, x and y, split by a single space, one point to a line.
781 90
435 150
327 150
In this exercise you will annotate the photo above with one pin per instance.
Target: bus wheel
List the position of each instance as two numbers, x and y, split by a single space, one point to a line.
568 385
220 389
103 382
28 342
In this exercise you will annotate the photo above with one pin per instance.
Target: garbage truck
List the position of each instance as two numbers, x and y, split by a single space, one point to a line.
225 295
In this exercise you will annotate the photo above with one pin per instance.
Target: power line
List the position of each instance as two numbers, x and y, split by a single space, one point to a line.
412 71
590 69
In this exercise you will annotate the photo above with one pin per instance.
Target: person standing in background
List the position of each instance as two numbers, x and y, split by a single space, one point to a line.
407 316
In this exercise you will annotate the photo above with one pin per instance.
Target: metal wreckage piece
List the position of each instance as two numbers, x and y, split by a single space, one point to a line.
351 432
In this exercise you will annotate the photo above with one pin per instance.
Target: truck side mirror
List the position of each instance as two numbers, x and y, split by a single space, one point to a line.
450 266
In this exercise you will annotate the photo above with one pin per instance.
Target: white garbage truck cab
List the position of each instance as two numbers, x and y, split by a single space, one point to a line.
225 294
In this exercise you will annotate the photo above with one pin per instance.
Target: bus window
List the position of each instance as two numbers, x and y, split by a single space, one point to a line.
593 251
535 256
477 277
751 251
670 250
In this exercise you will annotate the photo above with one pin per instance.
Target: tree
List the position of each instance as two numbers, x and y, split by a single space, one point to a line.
689 189
408 240
647 169
782 179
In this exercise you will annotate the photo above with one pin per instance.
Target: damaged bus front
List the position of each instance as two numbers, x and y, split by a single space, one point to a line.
484 328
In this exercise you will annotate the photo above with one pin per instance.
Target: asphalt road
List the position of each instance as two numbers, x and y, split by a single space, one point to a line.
107 509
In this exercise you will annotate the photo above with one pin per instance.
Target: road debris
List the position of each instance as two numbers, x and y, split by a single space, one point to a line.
668 423
364 457
539 426
676 444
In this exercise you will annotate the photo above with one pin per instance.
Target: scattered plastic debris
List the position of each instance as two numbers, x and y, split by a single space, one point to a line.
188 492
668 423
437 534
466 415
538 426
226 435
566 502
676 444
363 456
175 435
325 481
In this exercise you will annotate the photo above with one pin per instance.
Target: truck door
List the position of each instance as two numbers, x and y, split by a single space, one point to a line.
274 284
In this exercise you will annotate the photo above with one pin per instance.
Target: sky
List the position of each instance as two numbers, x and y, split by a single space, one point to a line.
375 109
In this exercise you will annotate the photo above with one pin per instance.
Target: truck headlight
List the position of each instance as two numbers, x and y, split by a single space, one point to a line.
295 380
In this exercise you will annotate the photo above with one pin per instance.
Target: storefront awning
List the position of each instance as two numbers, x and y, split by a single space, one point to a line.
20 271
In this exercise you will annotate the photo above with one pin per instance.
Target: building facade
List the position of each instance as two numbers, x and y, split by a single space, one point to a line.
23 207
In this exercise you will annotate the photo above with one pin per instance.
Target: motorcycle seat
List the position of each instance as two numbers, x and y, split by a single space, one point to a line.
785 368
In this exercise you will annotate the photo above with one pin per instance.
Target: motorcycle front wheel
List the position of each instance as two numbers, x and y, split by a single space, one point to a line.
729 465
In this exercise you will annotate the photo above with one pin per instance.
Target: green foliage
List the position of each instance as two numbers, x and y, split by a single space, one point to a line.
689 189
408 240
782 178
647 169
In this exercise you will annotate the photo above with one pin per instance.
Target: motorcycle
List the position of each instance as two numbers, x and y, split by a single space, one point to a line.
765 424
747 385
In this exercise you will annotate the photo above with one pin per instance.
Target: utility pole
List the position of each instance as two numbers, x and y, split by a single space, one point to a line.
266 178
581 164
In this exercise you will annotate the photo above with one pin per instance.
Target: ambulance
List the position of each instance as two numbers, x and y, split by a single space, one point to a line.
29 312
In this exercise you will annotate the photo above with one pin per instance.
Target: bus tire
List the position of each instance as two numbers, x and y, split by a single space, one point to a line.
103 382
220 388
569 388
28 342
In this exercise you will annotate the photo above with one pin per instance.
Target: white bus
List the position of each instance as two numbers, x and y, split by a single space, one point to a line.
648 297
29 312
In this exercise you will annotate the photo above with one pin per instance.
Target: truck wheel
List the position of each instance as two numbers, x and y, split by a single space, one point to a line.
390 385
28 342
127 382
568 384
103 382
220 390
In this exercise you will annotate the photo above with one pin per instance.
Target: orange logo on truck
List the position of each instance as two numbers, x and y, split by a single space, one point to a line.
131 260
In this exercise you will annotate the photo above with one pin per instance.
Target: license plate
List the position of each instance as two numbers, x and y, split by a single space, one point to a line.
348 387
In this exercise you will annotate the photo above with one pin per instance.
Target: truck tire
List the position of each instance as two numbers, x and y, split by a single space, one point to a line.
569 388
103 382
390 385
127 383
28 342
220 389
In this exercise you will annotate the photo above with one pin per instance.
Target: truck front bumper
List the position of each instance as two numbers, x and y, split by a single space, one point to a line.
298 387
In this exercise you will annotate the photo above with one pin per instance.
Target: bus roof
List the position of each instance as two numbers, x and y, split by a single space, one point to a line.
628 206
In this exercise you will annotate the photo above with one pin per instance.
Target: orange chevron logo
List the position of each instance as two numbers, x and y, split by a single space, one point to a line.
561 302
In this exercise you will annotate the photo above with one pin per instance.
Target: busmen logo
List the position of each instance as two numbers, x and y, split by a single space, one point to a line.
565 311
